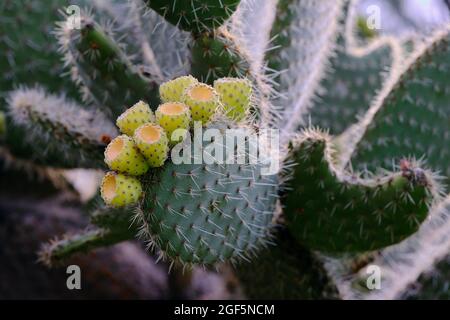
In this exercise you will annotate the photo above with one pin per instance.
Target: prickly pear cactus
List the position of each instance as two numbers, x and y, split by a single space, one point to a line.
193 212
149 92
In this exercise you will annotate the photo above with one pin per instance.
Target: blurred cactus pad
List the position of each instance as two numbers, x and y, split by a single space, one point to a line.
339 150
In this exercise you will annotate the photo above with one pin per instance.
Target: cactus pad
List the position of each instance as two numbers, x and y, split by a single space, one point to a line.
413 116
216 55
195 15
29 50
102 69
335 211
203 214
55 131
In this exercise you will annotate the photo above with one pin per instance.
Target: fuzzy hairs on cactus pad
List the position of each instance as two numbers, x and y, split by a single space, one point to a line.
29 51
354 77
415 268
109 226
334 211
412 115
101 67
58 131
304 33
58 250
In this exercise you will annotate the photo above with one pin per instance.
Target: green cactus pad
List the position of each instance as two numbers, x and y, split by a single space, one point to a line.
335 211
235 95
57 251
172 91
118 219
29 49
102 69
134 117
123 156
350 88
354 78
203 101
216 55
153 143
173 116
55 131
119 190
207 213
304 39
110 226
413 115
195 15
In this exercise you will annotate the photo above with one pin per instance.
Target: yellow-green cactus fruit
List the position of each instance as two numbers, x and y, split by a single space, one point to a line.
123 156
119 190
2 123
172 116
172 91
235 95
203 101
153 143
134 117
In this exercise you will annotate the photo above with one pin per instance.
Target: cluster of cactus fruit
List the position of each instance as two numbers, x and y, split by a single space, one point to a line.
147 137
300 233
